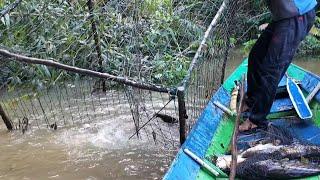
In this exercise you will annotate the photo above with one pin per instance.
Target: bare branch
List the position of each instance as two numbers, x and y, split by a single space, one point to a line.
51 63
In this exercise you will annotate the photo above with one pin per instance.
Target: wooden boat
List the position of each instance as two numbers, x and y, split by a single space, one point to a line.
212 133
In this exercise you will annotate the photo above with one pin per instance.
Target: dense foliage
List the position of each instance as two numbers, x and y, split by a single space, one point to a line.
142 32
149 40
310 46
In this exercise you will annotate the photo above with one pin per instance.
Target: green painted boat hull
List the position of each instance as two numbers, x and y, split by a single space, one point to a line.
211 135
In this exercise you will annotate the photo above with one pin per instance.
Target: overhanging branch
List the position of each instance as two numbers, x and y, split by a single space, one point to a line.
51 63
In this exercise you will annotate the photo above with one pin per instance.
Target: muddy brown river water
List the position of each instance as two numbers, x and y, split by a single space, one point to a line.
82 152
98 150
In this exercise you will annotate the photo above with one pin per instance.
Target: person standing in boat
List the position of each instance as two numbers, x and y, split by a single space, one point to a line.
272 54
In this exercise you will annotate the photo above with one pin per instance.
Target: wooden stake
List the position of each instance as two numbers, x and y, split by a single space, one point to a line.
234 150
5 119
182 114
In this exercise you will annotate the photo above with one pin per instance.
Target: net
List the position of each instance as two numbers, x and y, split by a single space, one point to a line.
145 49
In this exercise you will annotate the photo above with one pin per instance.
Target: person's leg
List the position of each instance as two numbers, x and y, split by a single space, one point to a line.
268 71
302 24
257 54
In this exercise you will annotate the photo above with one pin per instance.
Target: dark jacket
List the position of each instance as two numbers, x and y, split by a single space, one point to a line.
282 9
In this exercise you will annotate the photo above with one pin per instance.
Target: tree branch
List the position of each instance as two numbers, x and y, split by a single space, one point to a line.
195 61
51 63
9 8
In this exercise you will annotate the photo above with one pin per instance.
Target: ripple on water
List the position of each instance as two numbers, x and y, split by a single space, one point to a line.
99 150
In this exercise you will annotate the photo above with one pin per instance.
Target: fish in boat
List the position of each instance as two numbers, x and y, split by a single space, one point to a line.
278 158
274 162
276 169
212 133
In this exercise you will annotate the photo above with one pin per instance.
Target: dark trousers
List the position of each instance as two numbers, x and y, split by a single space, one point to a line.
270 58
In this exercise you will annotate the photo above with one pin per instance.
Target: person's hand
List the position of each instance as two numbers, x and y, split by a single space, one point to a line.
263 26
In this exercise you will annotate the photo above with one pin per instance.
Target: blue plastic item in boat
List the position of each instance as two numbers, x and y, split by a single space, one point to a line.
298 100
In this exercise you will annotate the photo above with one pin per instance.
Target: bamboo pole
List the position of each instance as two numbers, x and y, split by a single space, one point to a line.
6 119
234 150
185 82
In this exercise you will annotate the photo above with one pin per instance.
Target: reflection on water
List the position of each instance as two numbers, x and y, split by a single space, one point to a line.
311 64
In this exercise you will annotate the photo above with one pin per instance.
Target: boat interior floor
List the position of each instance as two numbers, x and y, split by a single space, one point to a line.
279 132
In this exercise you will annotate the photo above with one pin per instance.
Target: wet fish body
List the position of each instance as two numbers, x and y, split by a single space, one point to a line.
166 118
277 169
54 126
284 151
260 149
273 162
